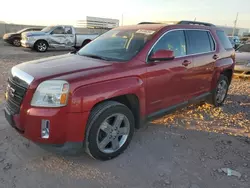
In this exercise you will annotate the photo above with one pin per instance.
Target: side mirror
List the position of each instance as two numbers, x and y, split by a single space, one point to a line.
162 55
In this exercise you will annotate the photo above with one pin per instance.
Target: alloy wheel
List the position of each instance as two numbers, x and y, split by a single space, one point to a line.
41 46
113 133
221 91
17 42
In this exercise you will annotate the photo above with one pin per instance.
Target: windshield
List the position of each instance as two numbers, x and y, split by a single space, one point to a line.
47 29
117 45
244 48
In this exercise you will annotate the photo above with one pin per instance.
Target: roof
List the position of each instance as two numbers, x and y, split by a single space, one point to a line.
158 26
154 27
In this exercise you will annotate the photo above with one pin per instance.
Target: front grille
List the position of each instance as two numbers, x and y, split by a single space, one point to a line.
16 91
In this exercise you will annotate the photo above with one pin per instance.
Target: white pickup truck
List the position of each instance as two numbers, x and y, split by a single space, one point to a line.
60 36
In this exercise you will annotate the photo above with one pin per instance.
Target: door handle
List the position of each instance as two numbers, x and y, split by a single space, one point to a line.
186 63
215 57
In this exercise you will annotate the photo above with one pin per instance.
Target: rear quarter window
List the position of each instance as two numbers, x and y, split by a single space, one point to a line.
224 40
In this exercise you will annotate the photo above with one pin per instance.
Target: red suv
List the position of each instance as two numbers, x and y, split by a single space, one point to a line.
96 97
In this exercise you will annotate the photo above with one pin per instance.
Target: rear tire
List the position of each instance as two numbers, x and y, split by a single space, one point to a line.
220 93
16 42
41 46
110 129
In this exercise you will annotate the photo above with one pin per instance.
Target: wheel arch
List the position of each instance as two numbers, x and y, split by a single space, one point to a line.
129 100
41 40
228 73
85 42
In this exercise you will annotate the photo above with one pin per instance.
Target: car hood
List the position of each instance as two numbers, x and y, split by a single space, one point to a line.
9 34
62 65
242 56
33 33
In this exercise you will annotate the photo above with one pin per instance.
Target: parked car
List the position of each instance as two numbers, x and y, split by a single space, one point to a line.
55 37
242 66
235 41
95 98
15 38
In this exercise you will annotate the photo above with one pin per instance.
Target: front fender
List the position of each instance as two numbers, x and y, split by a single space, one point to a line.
37 38
86 97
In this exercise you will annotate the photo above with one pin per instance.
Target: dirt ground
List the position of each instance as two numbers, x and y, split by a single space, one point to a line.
186 149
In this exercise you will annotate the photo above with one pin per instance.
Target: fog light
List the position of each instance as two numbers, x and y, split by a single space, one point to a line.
45 129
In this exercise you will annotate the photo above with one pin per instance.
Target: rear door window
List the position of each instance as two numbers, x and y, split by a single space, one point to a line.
199 41
224 40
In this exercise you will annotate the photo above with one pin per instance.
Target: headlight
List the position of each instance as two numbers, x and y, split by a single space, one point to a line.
29 38
51 93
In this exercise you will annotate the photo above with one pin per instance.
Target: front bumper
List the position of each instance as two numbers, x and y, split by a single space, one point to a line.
242 70
8 40
65 128
27 44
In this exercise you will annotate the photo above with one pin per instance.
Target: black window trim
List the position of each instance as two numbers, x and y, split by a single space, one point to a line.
211 41
186 40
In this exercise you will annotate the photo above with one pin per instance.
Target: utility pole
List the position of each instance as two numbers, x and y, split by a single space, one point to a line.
235 24
122 19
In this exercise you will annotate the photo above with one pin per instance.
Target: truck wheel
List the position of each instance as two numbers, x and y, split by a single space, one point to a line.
85 42
17 42
220 93
41 46
109 131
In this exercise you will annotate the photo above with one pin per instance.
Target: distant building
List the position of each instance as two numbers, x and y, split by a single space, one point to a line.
95 22
238 31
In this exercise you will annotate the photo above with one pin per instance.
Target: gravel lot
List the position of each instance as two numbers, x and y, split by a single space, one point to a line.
186 149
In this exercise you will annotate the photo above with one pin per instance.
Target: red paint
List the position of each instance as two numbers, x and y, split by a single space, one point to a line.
162 54
157 85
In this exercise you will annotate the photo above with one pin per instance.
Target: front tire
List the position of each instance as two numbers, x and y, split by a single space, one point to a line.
220 93
41 46
109 131
16 42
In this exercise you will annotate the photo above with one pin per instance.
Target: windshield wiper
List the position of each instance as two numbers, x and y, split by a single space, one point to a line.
97 57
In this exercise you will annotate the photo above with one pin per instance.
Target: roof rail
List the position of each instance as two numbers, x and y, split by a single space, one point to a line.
148 23
196 23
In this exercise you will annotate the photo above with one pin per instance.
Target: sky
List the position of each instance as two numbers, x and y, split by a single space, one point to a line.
50 12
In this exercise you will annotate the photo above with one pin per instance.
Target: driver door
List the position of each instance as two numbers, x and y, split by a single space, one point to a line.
57 37
169 81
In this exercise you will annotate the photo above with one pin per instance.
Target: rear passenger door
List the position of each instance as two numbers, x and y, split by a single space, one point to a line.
202 48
